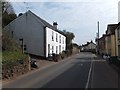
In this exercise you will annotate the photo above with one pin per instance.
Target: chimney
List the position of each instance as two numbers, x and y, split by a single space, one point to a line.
55 24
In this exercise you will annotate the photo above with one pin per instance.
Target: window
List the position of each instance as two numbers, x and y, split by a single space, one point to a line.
56 49
63 40
48 48
52 49
12 34
63 48
60 38
119 51
118 33
52 36
56 37
59 48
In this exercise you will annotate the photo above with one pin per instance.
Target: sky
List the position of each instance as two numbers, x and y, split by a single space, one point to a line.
77 16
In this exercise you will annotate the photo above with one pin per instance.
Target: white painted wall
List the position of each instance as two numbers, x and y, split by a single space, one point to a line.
32 32
91 46
54 43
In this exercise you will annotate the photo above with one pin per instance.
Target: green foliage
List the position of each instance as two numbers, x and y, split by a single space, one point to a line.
10 56
9 43
11 51
69 37
7 18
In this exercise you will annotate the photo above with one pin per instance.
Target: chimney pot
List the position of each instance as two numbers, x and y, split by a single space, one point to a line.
55 24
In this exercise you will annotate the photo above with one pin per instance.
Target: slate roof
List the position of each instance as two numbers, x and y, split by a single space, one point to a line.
111 28
46 23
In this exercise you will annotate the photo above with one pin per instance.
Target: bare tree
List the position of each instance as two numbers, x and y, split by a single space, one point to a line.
7 7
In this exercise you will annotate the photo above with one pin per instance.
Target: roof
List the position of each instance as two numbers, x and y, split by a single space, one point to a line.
46 24
118 25
75 45
111 28
43 22
88 43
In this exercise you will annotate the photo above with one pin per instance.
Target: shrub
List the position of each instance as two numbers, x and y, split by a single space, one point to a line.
11 58
8 43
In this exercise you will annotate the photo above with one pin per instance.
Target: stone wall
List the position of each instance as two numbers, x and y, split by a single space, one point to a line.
14 70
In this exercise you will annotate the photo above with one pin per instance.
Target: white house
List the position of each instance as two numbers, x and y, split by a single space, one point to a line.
36 35
90 46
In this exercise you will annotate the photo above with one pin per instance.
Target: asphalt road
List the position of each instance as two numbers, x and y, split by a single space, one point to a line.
79 71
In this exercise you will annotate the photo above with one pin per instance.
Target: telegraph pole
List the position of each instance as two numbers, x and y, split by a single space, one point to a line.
98 38
29 58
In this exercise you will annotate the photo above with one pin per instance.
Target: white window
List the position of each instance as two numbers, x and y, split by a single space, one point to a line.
63 48
48 48
56 49
59 48
52 49
60 39
52 36
56 37
63 40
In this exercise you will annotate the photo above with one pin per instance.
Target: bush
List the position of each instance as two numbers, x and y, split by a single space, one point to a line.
8 43
63 54
11 50
11 58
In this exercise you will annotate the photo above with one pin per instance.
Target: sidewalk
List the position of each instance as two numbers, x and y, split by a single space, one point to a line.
41 65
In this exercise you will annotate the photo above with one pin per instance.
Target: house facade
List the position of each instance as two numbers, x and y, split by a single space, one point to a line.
111 40
89 47
102 44
36 36
117 33
108 42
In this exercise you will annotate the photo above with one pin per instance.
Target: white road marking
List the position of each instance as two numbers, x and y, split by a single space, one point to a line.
89 76
99 60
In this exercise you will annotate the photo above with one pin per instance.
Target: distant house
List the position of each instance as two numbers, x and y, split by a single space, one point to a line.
76 48
89 47
36 36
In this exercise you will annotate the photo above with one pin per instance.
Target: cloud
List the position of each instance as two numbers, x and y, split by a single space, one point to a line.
79 17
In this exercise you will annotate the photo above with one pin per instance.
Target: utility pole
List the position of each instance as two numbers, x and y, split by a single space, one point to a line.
29 59
98 38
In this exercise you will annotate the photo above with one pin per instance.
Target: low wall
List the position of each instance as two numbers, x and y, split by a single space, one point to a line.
15 69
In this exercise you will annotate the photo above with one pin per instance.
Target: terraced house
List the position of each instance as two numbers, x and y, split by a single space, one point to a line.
111 40
36 36
117 33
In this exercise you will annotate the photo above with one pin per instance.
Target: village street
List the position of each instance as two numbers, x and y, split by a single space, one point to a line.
83 70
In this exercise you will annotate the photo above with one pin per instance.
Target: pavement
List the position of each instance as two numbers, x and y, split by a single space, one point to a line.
83 70
41 63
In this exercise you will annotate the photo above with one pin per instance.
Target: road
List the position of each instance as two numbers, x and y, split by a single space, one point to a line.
83 70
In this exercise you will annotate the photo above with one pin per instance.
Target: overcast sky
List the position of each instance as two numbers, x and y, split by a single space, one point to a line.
78 16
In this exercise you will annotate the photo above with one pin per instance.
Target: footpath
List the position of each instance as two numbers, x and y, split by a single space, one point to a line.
41 65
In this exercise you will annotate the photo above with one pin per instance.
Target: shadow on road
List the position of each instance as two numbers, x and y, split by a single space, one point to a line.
74 77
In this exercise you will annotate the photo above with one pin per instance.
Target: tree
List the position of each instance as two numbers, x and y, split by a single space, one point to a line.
7 7
7 42
7 17
69 37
